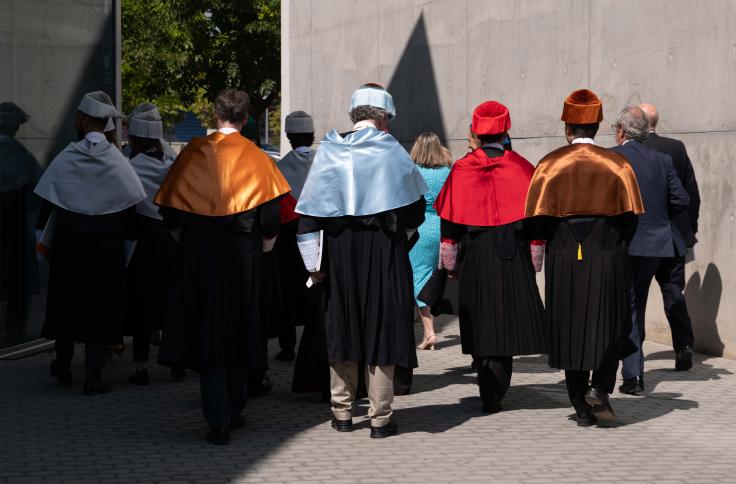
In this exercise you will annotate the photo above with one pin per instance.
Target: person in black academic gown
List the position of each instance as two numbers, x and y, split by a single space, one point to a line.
222 199
151 262
482 209
362 200
93 191
585 200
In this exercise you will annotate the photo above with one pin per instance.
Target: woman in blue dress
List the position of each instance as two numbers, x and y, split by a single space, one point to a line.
434 161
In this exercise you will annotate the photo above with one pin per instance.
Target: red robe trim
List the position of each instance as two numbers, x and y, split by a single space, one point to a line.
484 191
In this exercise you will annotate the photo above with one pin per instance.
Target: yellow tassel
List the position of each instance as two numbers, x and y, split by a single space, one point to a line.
580 251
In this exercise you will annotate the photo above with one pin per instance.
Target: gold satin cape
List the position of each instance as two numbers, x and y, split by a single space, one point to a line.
220 175
585 180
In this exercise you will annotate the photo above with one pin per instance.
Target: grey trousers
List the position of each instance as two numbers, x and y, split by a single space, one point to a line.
380 383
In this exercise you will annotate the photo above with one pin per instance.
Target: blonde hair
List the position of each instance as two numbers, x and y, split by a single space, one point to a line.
429 152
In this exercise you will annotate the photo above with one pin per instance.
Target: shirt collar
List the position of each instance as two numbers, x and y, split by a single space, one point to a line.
227 131
303 149
498 146
587 141
626 141
95 137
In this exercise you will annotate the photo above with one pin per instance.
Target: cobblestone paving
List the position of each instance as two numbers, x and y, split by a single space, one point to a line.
683 430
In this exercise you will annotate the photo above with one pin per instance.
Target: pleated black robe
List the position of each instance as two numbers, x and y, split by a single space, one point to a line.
588 300
213 318
86 292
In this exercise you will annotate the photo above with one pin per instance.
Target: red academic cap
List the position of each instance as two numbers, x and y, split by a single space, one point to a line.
582 107
491 117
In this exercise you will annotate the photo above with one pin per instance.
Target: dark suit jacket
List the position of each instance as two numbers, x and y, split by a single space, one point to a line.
686 222
663 196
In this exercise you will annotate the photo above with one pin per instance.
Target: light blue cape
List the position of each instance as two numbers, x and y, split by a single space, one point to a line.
364 173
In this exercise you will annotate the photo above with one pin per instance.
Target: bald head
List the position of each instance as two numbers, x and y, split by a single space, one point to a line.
650 110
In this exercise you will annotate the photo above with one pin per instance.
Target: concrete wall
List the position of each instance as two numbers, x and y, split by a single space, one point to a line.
441 58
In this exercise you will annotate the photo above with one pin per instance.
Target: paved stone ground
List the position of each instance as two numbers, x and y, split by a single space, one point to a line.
683 430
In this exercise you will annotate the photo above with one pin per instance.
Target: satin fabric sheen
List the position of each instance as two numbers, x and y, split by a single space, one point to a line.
91 179
295 167
364 173
583 179
485 191
221 175
152 173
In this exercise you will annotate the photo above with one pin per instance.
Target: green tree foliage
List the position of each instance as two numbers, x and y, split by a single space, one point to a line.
179 53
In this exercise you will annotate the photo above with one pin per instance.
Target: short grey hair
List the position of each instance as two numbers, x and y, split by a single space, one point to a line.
634 123
371 113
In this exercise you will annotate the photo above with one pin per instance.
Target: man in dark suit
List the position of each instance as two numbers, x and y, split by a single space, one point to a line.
671 276
656 241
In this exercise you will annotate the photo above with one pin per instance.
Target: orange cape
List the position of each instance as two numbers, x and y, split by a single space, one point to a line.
221 175
583 179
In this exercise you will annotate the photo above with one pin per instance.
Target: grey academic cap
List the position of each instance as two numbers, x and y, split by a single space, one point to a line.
11 115
299 122
145 122
98 105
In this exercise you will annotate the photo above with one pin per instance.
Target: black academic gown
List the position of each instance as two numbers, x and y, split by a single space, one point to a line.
86 292
214 317
369 305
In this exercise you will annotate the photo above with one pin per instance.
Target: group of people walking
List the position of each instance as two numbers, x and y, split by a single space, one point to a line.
358 237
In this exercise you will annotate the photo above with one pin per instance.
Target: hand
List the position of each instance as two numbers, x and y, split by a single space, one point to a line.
317 277
452 275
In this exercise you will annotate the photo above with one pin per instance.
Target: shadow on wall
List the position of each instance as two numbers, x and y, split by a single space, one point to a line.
703 301
414 89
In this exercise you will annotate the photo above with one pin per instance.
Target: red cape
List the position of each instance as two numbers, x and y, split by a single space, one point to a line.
485 191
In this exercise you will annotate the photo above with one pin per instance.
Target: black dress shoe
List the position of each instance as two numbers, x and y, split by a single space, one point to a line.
492 407
260 388
632 386
238 423
386 431
64 376
178 373
586 419
601 405
96 388
285 355
218 437
684 359
342 425
140 377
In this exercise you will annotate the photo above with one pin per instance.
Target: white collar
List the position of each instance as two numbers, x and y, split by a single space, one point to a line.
587 141
227 130
366 123
498 146
626 141
95 137
303 149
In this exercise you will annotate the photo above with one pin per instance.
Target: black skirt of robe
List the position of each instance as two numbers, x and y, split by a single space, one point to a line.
86 291
311 368
149 275
293 276
588 300
213 317
501 311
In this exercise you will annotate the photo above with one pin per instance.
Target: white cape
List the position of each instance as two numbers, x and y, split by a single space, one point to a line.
91 179
152 173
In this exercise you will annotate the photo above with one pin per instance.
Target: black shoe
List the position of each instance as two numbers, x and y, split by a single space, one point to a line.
255 390
492 407
602 409
386 431
342 425
178 373
64 376
140 377
285 355
218 437
632 386
586 419
238 423
96 388
684 359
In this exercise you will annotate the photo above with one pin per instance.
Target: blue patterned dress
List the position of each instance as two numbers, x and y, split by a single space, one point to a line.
425 254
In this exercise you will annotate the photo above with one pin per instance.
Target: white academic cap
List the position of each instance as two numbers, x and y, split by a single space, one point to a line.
11 115
145 122
374 95
299 122
98 105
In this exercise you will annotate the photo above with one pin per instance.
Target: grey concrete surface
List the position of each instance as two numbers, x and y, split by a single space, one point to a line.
682 430
440 58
